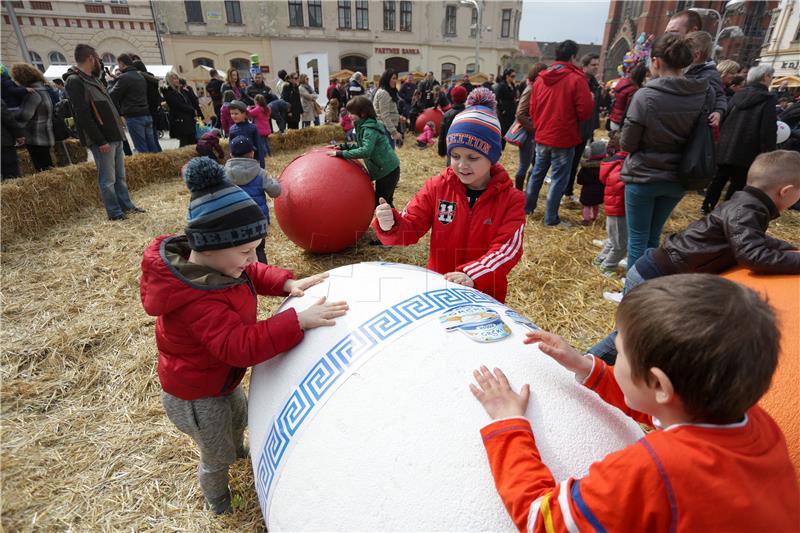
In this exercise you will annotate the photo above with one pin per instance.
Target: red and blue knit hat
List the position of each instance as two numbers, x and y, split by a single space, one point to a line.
478 129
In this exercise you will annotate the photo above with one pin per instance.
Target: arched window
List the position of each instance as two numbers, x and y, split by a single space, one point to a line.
57 58
109 59
471 69
399 64
614 58
354 63
243 66
36 60
448 71
206 62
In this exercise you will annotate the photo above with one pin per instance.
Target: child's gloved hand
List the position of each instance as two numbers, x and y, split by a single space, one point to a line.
563 354
460 278
296 287
384 215
495 394
321 313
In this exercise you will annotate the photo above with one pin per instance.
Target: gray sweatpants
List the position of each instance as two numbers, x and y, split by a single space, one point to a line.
617 243
216 425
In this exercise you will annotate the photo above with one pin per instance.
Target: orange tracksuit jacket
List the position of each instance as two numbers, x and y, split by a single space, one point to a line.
689 477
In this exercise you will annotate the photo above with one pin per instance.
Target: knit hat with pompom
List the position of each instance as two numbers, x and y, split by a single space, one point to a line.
477 127
221 215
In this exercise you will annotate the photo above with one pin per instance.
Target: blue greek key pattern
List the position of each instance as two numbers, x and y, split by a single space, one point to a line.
328 370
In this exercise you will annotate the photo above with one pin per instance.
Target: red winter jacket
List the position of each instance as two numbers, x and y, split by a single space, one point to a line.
484 242
623 92
206 331
559 102
614 194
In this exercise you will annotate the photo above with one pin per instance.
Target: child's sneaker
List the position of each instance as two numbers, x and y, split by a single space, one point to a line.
599 243
608 272
623 263
598 260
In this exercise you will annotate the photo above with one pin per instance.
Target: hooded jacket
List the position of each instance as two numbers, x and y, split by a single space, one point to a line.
373 147
484 242
748 128
623 92
658 125
250 177
96 117
129 93
206 328
733 233
559 102
614 188
708 71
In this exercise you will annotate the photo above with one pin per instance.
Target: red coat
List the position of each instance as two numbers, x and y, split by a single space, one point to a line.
559 102
207 335
484 242
614 193
689 477
623 92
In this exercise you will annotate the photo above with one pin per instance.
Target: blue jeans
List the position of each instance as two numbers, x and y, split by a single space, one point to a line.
606 349
155 136
647 208
111 178
561 159
141 130
526 152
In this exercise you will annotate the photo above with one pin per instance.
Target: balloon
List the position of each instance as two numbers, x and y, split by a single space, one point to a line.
783 132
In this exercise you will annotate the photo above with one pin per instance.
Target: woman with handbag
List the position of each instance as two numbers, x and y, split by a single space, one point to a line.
309 102
527 151
385 102
660 121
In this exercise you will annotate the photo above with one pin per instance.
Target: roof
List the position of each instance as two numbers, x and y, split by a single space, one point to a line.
529 48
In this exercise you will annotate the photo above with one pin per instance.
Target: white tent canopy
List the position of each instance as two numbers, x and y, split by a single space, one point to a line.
56 71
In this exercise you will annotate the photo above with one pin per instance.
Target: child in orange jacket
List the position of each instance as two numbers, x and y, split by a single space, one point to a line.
696 352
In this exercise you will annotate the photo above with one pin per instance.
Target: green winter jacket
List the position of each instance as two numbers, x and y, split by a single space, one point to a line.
373 147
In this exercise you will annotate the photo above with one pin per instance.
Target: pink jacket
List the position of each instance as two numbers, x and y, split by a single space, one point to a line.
426 136
346 123
225 119
261 117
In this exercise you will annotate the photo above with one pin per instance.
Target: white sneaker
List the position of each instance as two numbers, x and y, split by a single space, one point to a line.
599 243
624 263
615 297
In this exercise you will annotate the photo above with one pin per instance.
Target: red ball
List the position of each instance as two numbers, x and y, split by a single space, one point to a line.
326 203
433 114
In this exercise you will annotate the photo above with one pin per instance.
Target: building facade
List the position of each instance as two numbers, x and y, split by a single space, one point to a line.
52 29
628 18
782 43
532 52
363 35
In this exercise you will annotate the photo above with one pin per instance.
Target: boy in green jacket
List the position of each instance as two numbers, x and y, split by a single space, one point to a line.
372 145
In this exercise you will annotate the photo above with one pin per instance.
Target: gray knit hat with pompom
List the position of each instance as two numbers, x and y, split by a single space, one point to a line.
221 215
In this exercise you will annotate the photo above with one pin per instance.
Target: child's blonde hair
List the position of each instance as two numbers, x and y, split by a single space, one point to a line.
773 170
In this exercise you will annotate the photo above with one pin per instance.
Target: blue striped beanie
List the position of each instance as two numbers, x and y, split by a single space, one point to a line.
221 215
478 129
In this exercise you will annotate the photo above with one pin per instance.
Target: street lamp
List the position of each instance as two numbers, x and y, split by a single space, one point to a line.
476 5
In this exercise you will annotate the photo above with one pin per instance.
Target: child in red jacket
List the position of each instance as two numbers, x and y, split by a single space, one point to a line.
203 288
616 246
476 215
696 352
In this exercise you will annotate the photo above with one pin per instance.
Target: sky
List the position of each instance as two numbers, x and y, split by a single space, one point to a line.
580 20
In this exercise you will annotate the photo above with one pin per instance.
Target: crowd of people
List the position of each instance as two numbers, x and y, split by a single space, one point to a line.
692 353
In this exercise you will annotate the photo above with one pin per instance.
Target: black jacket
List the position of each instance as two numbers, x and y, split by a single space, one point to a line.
214 90
262 89
153 93
291 95
129 93
588 126
708 71
748 127
12 130
447 120
506 102
181 112
96 117
734 233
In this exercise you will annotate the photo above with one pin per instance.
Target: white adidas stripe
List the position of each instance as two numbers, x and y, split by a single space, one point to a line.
505 254
482 263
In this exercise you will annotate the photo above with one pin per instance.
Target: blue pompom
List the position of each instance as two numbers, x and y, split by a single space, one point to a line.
202 173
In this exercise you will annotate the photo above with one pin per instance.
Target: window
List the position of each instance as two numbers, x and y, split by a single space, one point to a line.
448 71
450 20
57 58
505 25
36 60
120 10
354 63
389 15
471 69
94 8
204 61
233 11
405 15
362 15
243 66
108 58
315 13
345 23
121 2
194 11
46 6
473 25
399 64
296 13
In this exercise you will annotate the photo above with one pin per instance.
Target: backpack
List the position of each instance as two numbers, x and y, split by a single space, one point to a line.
699 162
61 111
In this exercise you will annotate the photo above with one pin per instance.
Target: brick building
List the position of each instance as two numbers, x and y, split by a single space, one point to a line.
628 18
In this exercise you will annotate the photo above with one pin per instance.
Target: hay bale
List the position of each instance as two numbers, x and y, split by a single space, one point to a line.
77 154
33 203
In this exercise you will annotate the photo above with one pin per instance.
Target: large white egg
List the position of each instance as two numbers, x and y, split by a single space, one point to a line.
370 425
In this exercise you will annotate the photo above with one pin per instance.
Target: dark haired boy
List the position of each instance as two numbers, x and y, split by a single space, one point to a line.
242 127
696 353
